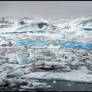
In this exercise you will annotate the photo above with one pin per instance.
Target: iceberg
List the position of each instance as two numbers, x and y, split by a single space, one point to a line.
20 58
45 49
15 74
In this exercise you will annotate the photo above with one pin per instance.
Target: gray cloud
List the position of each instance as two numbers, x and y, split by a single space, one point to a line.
47 9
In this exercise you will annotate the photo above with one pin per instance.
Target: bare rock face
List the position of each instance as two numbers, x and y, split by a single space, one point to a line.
22 23
40 25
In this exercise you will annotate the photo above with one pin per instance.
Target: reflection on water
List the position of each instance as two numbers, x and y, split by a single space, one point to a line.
64 85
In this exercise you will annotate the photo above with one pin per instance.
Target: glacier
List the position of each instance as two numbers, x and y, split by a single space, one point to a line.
43 49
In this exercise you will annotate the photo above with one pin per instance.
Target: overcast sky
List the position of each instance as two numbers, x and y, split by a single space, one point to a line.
46 9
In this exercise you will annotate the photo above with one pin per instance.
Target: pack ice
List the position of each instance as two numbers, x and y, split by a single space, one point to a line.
36 48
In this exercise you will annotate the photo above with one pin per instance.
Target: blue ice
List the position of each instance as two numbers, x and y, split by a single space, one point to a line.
87 29
22 58
30 43
77 45
17 74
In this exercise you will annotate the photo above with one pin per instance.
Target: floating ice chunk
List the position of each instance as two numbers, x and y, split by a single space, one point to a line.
18 58
31 58
12 58
84 69
16 73
26 87
77 76
22 59
51 46
54 81
38 85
